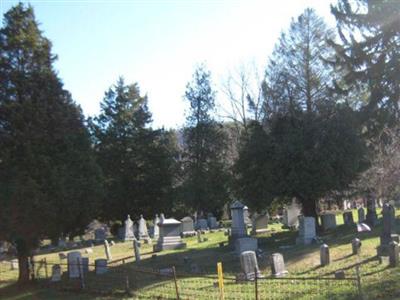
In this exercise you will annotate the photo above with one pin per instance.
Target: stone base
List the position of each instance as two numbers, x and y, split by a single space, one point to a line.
169 243
246 244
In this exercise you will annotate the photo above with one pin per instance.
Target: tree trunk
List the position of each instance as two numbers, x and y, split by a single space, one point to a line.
23 253
310 210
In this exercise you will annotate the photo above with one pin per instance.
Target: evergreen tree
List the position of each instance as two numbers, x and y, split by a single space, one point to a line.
49 182
138 162
205 171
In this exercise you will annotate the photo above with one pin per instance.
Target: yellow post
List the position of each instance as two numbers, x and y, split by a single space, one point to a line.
220 281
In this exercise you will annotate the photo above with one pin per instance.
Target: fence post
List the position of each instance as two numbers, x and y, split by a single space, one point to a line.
176 283
220 281
360 295
81 276
45 266
256 282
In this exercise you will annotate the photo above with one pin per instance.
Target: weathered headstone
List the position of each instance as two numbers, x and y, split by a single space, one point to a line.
324 255
100 234
143 233
356 246
100 266
129 234
55 273
74 263
14 264
348 218
199 239
62 243
170 238
212 221
238 229
361 214
393 254
328 221
307 231
107 250
372 217
245 244
248 262
202 224
246 216
259 223
156 230
85 264
291 215
187 227
278 265
388 234
136 250
339 274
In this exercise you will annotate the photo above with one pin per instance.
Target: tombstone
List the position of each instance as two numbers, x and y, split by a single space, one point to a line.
212 222
328 221
278 265
238 229
136 249
339 274
143 233
393 254
156 230
74 262
129 234
249 265
356 246
14 264
199 239
170 238
245 244
361 214
202 224
259 223
291 215
55 273
99 234
346 204
187 227
372 217
324 255
107 250
100 266
348 218
246 216
62 243
388 234
307 231
85 264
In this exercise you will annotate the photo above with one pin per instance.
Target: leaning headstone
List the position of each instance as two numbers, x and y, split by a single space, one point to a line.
100 266
348 218
99 234
212 221
245 244
324 255
136 250
238 229
74 262
388 233
156 230
107 250
55 273
372 217
249 265
291 215
187 227
307 232
278 265
393 254
259 223
361 214
356 246
170 238
202 224
129 234
328 221
14 264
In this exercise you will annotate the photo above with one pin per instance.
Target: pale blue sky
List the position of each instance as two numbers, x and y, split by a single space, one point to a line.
159 43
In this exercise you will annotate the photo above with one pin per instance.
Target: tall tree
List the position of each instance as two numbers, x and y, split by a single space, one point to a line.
137 161
49 182
206 176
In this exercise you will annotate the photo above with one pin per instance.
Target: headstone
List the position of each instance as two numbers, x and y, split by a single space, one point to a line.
328 221
55 273
307 232
202 224
62 243
85 264
356 246
393 254
129 234
278 265
100 266
238 229
212 221
187 227
259 223
136 250
199 239
348 218
143 233
170 238
388 233
246 216
156 230
372 217
99 234
248 262
324 255
361 214
14 264
340 274
162 218
74 261
245 244
291 215
107 250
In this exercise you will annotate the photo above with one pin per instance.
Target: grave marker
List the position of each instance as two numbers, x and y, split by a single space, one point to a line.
278 265
249 265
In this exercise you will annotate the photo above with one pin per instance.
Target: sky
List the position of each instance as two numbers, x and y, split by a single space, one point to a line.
158 44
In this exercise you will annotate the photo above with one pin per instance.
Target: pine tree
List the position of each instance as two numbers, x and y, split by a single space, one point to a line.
49 182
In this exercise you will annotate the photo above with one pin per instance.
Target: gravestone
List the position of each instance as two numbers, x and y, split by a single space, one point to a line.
361 214
372 217
202 224
348 218
339 274
278 265
136 250
62 243
356 246
291 215
129 234
14 264
156 230
328 221
238 229
245 244
187 227
170 238
107 250
249 265
388 234
99 234
393 254
74 263
85 264
307 232
143 233
212 221
259 223
55 273
199 239
162 217
246 216
100 266
324 255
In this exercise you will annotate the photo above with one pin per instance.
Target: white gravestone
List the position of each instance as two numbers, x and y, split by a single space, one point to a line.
55 273
14 264
143 233
74 261
249 265
259 223
245 244
278 265
129 234
238 229
307 232
246 216
291 214
156 232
